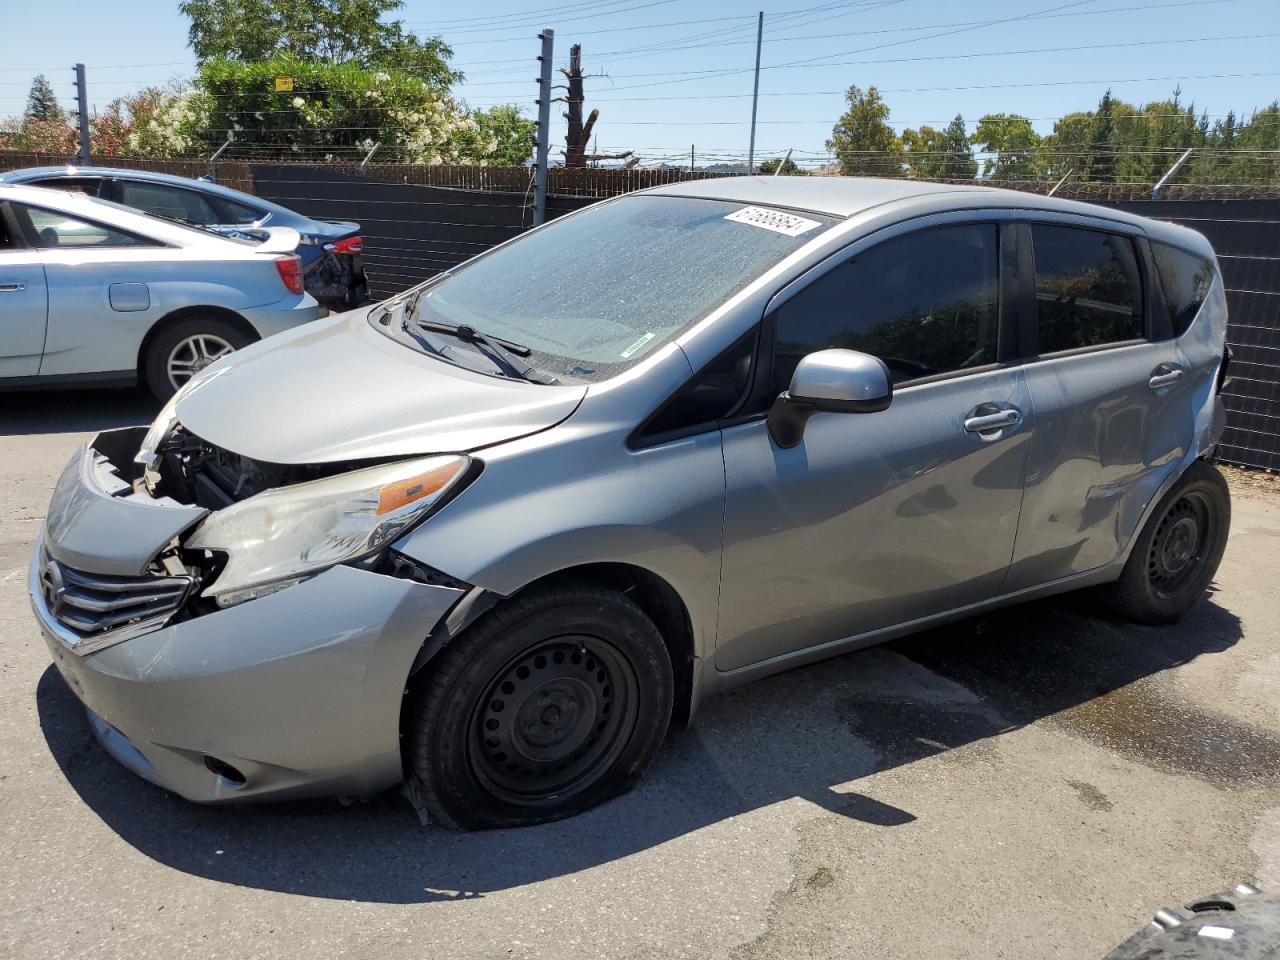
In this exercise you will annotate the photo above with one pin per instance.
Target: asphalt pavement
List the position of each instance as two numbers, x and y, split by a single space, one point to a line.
1033 783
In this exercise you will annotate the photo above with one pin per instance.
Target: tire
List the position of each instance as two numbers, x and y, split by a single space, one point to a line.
179 343
1178 551
549 705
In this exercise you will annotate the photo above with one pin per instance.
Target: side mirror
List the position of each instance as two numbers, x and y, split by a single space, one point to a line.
835 381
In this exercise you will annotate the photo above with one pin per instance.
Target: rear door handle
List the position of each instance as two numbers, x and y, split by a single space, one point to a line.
993 421
12 286
1165 377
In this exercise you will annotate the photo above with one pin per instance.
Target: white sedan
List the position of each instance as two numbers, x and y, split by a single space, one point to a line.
92 293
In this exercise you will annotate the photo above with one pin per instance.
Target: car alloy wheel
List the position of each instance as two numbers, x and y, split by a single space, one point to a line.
193 354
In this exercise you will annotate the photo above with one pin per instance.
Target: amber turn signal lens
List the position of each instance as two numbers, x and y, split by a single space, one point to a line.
403 492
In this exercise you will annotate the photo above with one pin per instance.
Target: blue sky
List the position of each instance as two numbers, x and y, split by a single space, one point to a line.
679 71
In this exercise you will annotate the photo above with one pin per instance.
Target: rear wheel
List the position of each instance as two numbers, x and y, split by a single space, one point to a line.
183 349
1178 551
548 706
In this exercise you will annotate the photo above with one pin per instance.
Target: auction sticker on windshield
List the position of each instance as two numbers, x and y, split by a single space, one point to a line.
785 223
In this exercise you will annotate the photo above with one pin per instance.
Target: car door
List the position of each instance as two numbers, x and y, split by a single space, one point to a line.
1110 393
100 305
23 303
879 519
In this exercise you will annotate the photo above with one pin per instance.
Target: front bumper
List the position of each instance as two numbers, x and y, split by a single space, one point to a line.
299 692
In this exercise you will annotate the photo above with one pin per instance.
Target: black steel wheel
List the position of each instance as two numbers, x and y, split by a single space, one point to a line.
1178 551
556 716
548 705
1180 545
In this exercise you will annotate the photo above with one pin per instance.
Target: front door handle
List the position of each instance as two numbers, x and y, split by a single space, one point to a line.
1164 376
993 421
12 286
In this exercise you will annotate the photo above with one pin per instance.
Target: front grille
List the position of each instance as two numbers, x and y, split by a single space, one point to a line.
91 603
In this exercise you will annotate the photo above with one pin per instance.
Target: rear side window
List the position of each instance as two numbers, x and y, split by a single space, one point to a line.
238 213
54 229
172 203
1088 289
925 303
1186 279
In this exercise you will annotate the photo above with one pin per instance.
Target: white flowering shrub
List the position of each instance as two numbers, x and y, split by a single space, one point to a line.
335 111
168 124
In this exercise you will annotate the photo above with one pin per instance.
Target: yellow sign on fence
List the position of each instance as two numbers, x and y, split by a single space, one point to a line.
284 84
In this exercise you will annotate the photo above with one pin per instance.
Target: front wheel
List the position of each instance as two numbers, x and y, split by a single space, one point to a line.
1178 551
551 704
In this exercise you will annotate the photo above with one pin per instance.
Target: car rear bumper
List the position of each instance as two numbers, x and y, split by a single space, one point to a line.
293 694
283 314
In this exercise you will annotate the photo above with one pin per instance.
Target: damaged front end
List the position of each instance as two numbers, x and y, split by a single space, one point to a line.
139 581
144 532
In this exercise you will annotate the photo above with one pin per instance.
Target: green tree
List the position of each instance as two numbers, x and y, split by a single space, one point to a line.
939 154
1011 143
42 102
325 31
862 140
789 167
1100 162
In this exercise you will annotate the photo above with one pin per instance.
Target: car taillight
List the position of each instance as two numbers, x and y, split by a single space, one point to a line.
349 245
291 272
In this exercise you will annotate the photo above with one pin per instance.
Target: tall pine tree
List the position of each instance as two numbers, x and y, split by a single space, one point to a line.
42 102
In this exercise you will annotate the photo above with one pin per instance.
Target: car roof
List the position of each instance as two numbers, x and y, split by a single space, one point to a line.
291 217
848 196
126 218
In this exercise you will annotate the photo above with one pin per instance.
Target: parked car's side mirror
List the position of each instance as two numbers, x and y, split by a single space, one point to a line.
837 381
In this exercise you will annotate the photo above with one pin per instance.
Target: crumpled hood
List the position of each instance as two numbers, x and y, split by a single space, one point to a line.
337 389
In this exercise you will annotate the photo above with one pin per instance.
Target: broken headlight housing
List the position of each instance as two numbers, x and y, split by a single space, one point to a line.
281 536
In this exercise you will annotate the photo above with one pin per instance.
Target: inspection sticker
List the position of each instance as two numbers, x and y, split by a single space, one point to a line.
784 223
1216 933
645 338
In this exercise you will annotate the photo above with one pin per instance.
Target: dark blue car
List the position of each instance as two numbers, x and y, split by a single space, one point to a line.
330 249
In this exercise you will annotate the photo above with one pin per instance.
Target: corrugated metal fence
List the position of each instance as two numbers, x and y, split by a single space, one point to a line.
419 220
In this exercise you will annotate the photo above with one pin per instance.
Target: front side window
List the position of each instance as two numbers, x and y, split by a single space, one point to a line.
1088 289
172 203
599 290
1186 279
925 303
90 185
54 229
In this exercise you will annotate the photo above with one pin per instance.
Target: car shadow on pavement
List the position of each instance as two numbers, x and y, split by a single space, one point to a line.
26 412
813 733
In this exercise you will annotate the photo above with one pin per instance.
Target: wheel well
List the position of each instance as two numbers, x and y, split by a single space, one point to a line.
168 320
660 602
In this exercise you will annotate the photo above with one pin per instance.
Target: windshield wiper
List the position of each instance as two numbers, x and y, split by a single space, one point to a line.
506 354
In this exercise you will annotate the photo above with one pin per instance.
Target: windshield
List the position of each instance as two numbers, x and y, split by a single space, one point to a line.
598 291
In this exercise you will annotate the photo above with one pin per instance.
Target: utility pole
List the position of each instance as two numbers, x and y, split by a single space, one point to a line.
544 128
755 95
691 146
82 111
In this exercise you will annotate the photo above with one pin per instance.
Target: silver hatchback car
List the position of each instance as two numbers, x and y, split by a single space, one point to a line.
496 534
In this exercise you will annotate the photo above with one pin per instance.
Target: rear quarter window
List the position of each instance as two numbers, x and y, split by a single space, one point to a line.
1185 278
